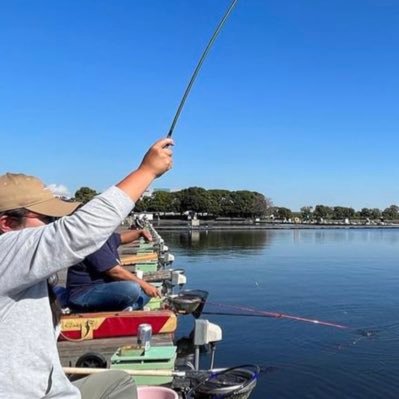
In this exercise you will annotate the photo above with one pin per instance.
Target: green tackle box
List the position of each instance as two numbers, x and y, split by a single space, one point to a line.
154 304
155 358
146 267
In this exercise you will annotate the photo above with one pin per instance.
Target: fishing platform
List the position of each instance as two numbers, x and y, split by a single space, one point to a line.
92 342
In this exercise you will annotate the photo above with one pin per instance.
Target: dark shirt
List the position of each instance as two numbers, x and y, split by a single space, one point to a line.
91 270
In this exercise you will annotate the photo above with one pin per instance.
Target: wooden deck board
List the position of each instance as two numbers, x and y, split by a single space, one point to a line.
141 258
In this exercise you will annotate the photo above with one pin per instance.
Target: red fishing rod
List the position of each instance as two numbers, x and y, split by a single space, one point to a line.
276 315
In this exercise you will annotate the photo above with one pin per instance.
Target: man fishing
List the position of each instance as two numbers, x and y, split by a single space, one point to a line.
101 283
32 248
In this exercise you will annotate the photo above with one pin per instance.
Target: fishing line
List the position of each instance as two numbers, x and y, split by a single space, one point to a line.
241 311
198 67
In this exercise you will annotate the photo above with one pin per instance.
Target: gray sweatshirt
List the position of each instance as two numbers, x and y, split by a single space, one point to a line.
29 361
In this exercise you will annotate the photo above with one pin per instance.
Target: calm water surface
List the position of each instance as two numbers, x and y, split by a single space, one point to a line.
350 277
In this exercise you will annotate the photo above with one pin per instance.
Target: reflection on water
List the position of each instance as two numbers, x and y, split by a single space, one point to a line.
349 277
346 235
206 241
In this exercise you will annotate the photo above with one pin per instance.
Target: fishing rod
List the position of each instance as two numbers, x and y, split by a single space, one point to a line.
199 65
276 315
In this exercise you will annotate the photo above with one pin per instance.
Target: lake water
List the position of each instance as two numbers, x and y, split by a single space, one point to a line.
350 277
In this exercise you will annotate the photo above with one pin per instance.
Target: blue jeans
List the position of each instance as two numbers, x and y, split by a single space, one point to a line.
113 296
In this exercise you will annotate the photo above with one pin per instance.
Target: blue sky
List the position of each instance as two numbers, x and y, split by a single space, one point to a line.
298 99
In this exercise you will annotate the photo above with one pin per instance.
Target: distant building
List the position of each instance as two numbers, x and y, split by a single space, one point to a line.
166 190
147 193
144 215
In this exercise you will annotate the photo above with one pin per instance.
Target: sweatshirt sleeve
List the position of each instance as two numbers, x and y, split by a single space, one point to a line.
30 255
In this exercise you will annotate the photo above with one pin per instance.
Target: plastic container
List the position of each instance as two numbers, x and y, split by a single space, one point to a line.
147 392
156 358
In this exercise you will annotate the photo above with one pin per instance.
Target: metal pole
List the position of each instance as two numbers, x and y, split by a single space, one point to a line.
197 355
159 373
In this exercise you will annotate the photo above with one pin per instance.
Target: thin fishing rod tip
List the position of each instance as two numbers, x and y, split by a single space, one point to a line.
199 65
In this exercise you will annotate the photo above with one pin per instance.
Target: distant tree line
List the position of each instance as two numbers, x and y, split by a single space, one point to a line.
341 212
244 203
198 200
218 203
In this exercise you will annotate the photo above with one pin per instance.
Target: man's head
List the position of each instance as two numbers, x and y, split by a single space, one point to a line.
26 202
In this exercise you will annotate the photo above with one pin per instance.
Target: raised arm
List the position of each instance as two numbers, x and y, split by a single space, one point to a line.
33 254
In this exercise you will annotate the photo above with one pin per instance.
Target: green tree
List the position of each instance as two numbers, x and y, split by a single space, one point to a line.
341 212
391 213
322 212
85 194
306 212
161 201
370 213
194 199
262 205
375 213
142 204
282 213
365 213
216 200
244 203
175 205
227 204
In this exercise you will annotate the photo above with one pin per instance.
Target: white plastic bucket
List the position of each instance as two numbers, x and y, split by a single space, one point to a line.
148 392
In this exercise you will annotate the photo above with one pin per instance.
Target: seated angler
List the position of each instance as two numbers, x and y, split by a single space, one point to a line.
100 283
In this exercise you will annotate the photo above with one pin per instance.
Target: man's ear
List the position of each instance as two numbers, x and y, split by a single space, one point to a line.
7 223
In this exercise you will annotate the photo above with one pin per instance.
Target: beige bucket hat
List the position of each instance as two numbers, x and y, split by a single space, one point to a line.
21 191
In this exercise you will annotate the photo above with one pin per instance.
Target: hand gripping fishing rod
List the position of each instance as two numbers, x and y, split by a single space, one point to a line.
199 65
